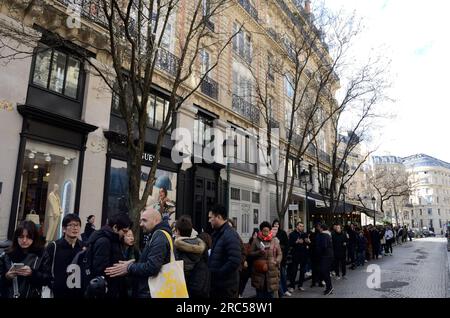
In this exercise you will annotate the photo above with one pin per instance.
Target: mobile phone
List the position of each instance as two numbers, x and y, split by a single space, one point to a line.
17 266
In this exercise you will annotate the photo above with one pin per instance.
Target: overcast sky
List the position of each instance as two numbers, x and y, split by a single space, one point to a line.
414 34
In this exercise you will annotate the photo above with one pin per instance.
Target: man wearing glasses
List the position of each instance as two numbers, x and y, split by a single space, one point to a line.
58 256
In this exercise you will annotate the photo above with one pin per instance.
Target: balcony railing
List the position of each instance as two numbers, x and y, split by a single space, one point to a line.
210 87
324 157
273 34
167 62
246 109
249 8
274 123
89 9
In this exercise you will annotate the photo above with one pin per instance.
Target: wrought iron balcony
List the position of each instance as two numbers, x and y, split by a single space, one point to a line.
274 123
210 87
167 62
324 157
273 34
246 109
89 9
249 8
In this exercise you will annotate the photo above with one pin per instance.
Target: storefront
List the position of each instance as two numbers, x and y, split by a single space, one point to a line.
116 179
49 169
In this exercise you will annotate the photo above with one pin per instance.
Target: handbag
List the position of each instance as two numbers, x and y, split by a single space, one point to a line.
46 291
260 266
33 217
170 281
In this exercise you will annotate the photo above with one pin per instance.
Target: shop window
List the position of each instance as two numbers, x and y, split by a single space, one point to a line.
56 71
255 197
235 194
118 189
48 185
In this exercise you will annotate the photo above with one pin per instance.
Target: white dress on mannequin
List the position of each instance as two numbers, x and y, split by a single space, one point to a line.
54 213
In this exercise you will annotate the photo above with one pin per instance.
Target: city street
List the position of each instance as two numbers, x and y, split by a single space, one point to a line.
418 269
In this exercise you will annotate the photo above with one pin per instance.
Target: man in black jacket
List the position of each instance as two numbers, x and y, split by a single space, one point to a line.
340 242
156 253
298 247
53 268
225 257
105 245
324 248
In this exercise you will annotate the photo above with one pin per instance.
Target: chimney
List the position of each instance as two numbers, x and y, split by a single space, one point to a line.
307 6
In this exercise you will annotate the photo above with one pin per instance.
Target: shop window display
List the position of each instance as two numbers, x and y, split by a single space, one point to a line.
47 190
163 196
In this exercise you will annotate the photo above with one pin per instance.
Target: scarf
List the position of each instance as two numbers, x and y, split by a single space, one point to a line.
265 238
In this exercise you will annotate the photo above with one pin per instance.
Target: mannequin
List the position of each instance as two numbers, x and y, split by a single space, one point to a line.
54 213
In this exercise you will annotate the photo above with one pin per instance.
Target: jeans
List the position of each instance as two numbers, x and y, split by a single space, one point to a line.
283 283
388 246
325 267
294 270
340 264
361 258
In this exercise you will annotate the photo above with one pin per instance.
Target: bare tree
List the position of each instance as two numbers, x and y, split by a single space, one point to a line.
389 184
127 36
310 65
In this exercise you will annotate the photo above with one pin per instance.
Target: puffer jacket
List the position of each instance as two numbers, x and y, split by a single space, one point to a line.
270 280
193 253
156 253
225 259
28 287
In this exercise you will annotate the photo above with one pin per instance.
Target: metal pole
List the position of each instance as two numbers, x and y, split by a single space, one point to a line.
306 207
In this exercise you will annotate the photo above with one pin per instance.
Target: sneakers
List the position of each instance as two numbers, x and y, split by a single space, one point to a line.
328 291
288 294
290 290
301 288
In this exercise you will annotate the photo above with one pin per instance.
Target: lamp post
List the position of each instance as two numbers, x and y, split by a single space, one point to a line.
304 177
374 212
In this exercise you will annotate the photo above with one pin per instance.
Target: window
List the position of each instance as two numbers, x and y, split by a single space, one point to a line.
205 61
56 71
430 211
420 212
431 223
242 86
235 194
289 86
421 223
201 125
206 6
439 211
245 195
270 73
255 197
242 43
440 223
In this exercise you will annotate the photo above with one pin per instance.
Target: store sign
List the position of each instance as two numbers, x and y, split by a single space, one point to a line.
293 207
148 157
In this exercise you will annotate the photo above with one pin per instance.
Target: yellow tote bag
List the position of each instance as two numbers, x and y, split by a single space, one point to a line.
170 281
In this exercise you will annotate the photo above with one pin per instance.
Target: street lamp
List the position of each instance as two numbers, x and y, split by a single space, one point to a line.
304 177
374 212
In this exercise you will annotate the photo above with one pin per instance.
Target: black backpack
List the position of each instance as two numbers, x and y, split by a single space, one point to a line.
91 286
199 280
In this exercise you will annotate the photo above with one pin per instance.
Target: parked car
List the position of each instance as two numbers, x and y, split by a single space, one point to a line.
428 233
417 232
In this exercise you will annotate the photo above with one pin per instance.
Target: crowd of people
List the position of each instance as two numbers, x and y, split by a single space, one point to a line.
215 266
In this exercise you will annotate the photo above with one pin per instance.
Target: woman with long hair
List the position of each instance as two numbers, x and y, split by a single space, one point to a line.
19 263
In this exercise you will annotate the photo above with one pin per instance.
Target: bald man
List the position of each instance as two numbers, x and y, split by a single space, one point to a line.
156 253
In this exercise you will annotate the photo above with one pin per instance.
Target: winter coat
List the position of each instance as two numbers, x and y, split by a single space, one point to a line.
106 251
299 251
28 287
268 281
64 255
375 236
156 253
193 252
225 259
340 242
284 244
362 244
324 245
88 230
